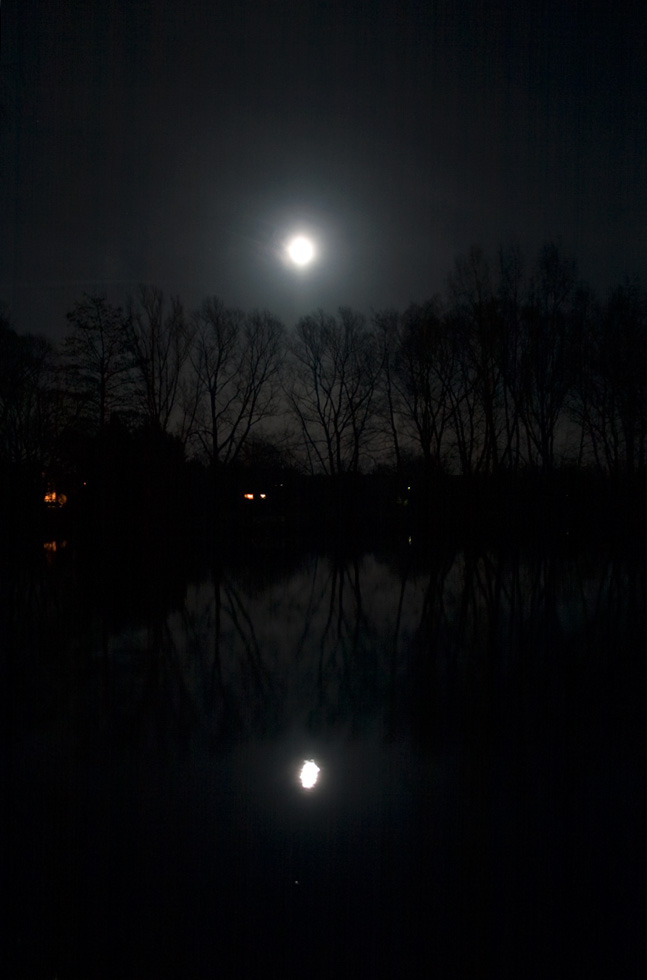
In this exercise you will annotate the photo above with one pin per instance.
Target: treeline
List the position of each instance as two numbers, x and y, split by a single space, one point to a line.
512 370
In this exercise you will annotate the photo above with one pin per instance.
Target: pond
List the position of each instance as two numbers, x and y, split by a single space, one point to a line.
477 723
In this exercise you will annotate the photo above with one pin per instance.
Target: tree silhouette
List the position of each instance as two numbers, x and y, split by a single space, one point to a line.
98 361
28 422
476 393
335 363
424 377
387 332
549 354
236 359
160 337
611 400
623 350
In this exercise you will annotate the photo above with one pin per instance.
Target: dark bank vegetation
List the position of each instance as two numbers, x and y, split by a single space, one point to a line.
516 401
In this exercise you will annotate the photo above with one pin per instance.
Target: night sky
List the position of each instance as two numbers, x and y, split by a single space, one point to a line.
177 143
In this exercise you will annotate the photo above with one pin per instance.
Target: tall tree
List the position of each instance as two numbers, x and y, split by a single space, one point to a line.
424 376
511 297
97 361
28 426
160 338
549 356
624 353
335 362
387 325
476 325
611 402
237 360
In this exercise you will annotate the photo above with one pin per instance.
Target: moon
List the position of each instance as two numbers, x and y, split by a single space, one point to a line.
309 773
300 250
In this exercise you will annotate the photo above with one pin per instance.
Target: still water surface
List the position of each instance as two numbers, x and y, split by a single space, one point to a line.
477 721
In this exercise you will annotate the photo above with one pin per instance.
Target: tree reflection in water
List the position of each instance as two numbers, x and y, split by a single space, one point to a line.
477 715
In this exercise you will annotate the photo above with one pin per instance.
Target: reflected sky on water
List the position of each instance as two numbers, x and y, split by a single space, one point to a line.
477 724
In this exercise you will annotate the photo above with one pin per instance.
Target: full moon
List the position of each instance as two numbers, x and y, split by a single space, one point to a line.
301 250
309 774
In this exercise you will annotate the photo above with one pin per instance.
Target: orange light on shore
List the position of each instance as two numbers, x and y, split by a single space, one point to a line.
54 499
248 496
51 547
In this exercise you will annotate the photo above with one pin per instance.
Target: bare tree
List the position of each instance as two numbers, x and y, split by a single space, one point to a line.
477 392
548 358
97 360
335 362
161 337
28 420
624 353
467 415
424 376
611 397
387 332
510 295
237 360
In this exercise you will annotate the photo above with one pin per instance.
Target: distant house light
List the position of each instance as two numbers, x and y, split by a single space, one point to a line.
262 496
248 496
52 546
54 499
